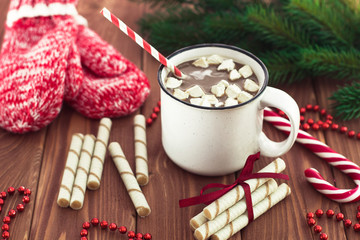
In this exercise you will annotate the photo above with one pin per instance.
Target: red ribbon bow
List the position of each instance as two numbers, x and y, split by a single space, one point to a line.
245 174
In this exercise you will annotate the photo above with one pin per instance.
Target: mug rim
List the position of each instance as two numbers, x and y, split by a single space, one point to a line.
262 65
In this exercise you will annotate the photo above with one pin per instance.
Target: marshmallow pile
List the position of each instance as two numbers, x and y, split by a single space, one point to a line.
225 87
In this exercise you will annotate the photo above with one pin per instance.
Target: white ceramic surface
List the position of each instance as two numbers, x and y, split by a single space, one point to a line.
217 141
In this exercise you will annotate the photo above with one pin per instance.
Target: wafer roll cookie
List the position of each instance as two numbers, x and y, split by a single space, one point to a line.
141 158
197 221
212 226
68 177
237 193
127 175
79 188
98 159
239 223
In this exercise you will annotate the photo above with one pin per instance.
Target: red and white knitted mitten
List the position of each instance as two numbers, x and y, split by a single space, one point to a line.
33 61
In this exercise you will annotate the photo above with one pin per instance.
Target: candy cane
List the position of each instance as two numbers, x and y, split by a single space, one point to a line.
325 152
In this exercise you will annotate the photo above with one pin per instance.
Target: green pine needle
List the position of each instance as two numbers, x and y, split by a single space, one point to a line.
347 99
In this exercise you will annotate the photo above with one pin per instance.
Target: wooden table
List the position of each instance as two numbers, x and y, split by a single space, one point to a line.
36 160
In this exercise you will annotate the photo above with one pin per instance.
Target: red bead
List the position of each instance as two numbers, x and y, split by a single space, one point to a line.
20 207
153 116
1 201
149 121
358 215
323 236
94 221
317 229
5 234
112 226
315 126
147 236
334 126
358 136
3 195
306 126
347 223
84 233
339 216
131 234
310 215
139 235
12 213
329 117
325 126
351 134
26 199
311 222
11 190
310 121
159 103
6 220
330 213
83 238
319 212
316 108
343 129
323 111
302 118
27 192
309 107
21 189
302 110
122 229
356 227
358 208
86 225
5 227
0 209
103 224
328 121
156 110
320 122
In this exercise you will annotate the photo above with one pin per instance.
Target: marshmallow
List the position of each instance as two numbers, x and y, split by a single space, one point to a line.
234 74
201 62
232 91
219 104
196 101
225 83
205 103
246 71
180 94
244 96
218 90
227 65
250 86
172 82
214 59
195 91
230 102
210 98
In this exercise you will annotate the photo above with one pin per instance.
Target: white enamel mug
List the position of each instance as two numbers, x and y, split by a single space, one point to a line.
217 141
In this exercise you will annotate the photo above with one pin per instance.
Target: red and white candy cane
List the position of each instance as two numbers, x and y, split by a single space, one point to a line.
325 152
140 41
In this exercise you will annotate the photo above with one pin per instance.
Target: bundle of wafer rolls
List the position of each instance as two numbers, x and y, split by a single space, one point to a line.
228 215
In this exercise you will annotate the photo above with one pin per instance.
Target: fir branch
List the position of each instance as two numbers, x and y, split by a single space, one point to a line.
347 99
269 26
323 20
332 62
164 3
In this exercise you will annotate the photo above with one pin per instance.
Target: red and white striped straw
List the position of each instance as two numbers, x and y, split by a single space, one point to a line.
325 152
141 42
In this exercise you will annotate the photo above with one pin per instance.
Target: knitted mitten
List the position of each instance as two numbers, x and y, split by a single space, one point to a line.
33 61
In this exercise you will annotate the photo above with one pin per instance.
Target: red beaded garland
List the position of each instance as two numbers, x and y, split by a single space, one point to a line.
311 222
12 213
5 234
94 221
347 223
84 232
330 213
5 227
11 190
351 133
156 110
139 235
112 226
339 216
306 126
343 129
310 215
21 189
3 195
103 224
357 227
6 219
83 238
319 212
317 229
153 115
122 229
20 207
131 234
323 236
1 202
147 236
86 225
358 215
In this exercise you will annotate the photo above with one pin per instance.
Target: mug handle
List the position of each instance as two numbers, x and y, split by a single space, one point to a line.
279 99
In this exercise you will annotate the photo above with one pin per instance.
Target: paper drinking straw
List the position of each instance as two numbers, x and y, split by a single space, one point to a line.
141 42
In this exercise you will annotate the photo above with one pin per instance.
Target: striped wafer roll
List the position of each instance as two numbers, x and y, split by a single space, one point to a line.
237 193
212 226
98 159
127 175
329 155
141 159
70 170
141 42
79 188
240 222
197 221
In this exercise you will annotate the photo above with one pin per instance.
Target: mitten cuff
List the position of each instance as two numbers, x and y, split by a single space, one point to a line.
38 8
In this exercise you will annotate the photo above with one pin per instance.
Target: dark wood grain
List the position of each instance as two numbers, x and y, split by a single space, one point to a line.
36 160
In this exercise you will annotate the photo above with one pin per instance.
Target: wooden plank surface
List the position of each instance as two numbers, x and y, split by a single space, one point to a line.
36 160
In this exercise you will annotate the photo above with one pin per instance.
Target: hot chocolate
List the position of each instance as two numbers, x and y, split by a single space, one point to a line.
213 81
